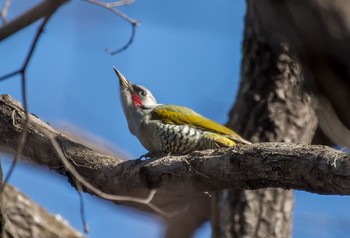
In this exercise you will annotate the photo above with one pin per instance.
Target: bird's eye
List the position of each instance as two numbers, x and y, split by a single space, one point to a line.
143 93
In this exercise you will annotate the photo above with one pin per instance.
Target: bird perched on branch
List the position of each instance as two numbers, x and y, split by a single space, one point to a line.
163 128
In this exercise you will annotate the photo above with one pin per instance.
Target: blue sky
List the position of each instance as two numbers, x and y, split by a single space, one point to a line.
186 53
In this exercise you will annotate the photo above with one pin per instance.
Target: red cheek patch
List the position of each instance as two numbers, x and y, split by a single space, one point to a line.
136 100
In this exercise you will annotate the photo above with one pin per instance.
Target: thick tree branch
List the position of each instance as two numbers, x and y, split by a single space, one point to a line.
113 8
100 169
45 8
27 219
317 169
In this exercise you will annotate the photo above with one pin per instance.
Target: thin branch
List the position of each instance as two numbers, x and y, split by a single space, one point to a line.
31 51
112 7
35 41
22 71
4 11
146 201
9 75
330 123
23 136
82 207
121 3
22 139
131 39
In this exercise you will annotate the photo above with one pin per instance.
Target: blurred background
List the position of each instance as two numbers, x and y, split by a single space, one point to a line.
186 53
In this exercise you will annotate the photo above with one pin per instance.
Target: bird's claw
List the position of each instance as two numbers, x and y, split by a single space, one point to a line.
146 156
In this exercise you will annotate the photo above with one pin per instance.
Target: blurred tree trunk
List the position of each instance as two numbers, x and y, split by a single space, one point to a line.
271 106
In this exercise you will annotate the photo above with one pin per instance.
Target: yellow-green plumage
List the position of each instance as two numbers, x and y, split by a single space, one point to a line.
170 128
177 115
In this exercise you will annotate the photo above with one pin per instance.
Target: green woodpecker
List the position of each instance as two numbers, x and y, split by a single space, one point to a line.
169 128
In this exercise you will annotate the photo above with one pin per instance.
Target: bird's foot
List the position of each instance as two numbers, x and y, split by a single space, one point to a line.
147 156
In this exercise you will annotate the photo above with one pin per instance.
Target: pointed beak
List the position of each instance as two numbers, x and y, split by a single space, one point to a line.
123 82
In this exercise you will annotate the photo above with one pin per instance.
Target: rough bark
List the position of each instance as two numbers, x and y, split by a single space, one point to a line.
27 219
319 33
182 181
21 217
271 106
321 44
104 171
318 169
2 222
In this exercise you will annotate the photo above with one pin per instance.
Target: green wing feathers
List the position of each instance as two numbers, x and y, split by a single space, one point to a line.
220 140
177 115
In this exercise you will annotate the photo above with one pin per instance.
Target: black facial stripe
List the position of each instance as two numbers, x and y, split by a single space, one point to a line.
137 89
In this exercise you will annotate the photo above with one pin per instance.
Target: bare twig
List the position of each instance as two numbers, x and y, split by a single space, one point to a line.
330 123
112 7
98 192
121 3
131 39
82 207
4 11
23 137
9 75
22 71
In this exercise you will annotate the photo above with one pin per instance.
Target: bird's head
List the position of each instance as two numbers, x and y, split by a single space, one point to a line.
137 102
135 97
